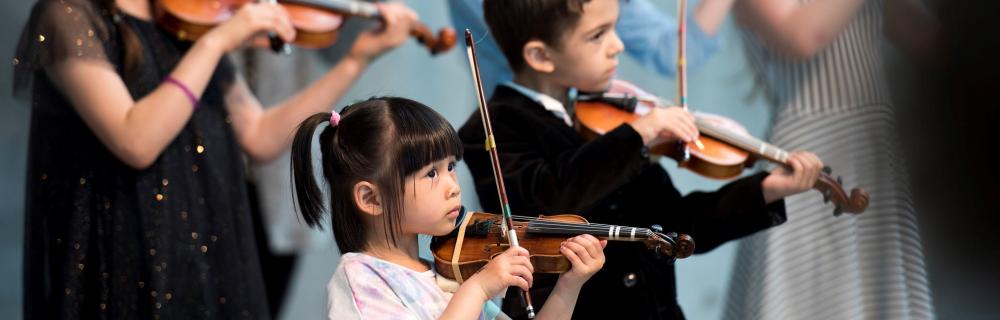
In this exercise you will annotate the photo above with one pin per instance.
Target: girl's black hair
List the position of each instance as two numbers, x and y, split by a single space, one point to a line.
381 140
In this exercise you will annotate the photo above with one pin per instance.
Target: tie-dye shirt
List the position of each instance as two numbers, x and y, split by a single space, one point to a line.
365 287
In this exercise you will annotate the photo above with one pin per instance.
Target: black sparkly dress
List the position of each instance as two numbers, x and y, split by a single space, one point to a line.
103 240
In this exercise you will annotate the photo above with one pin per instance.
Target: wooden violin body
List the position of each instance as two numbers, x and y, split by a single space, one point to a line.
316 22
479 238
727 147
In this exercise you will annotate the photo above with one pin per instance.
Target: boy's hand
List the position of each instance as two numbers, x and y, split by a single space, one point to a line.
586 254
510 268
784 182
666 124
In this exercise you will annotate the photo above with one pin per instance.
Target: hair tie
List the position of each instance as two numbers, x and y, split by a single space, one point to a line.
334 118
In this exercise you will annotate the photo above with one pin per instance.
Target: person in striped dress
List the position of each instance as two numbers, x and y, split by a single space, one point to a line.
820 65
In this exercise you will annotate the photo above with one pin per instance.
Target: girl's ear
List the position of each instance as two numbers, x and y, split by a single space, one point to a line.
537 56
367 198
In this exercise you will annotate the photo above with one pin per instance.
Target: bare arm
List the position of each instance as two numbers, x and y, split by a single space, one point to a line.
137 131
796 29
134 131
710 14
264 134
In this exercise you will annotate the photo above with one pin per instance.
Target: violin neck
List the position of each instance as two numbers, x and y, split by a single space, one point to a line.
609 232
348 7
753 145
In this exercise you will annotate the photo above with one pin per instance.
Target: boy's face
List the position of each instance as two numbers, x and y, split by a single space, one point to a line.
588 56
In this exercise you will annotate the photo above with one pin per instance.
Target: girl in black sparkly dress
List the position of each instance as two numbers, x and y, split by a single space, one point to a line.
136 202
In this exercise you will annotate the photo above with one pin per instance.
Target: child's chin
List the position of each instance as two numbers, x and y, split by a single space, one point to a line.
444 230
595 86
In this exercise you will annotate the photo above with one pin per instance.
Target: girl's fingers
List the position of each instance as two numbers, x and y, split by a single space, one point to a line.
523 273
579 250
519 282
517 251
523 261
573 258
592 245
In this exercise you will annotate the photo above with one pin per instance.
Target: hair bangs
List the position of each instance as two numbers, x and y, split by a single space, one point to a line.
423 136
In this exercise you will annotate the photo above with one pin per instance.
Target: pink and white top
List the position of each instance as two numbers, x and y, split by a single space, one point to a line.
366 287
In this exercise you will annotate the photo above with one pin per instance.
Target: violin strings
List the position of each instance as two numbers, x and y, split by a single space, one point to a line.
567 226
533 219
539 224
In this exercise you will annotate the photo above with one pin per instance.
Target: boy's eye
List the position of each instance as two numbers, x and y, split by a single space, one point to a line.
432 174
451 166
598 35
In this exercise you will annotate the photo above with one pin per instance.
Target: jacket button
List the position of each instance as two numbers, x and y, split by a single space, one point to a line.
630 279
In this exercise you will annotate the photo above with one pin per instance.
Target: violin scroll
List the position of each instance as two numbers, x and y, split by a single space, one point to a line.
832 191
669 244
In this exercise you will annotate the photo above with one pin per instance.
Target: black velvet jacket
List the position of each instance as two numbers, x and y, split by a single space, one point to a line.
549 169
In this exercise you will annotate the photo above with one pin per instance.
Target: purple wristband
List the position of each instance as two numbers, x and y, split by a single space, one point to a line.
190 95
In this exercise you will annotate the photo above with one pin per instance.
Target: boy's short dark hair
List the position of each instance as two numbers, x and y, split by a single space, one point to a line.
515 22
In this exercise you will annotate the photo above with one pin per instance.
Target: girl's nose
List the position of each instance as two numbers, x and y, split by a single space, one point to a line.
454 190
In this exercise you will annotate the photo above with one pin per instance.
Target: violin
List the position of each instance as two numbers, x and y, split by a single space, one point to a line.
479 237
316 22
726 147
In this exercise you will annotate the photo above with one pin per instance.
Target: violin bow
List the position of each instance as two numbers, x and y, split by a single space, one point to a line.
491 146
681 56
682 90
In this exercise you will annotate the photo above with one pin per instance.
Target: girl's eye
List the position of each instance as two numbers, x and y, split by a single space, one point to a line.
451 166
432 174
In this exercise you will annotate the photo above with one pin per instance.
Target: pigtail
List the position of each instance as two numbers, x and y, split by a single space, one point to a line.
308 194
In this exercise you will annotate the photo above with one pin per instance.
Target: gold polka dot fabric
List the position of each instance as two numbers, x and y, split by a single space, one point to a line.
108 241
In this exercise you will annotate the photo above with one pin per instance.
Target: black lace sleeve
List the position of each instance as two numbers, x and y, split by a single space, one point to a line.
56 31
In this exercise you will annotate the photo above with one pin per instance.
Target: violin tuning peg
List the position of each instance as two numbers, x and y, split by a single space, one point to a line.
839 180
827 169
837 211
826 197
657 228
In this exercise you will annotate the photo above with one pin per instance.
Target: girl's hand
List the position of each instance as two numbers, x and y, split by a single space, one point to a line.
250 20
802 177
510 268
586 254
398 20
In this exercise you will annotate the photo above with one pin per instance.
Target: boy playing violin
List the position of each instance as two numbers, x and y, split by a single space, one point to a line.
554 48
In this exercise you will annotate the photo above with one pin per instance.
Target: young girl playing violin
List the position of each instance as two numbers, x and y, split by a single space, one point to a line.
136 206
390 165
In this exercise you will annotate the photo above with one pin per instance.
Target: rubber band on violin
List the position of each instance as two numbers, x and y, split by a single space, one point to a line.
726 147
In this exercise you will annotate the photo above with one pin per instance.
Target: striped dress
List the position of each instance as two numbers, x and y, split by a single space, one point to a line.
817 266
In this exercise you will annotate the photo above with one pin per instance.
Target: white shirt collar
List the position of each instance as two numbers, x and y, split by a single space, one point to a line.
549 103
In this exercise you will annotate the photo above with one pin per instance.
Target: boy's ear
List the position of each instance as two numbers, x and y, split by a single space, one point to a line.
367 198
537 56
